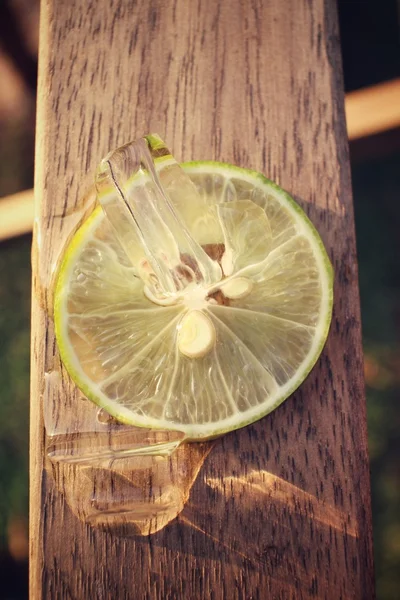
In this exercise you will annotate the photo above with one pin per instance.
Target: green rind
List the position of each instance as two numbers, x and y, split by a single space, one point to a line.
191 435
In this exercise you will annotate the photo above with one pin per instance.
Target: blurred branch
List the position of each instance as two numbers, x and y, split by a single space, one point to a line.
368 111
16 214
13 44
373 110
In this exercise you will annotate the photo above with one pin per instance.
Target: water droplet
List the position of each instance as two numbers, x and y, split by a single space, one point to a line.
81 278
104 417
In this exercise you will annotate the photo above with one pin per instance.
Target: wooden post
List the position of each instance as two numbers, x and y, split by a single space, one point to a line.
280 509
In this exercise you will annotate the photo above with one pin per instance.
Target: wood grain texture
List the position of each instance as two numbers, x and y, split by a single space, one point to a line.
280 509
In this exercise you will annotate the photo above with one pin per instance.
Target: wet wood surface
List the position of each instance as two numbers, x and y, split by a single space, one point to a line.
279 509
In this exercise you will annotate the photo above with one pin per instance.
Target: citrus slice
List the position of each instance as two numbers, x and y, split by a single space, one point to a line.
214 358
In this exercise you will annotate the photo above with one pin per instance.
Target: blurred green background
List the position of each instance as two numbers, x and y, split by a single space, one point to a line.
371 53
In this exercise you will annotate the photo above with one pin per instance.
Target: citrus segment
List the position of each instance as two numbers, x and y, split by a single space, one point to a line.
216 357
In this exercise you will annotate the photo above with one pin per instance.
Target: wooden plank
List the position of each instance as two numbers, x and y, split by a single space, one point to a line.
280 509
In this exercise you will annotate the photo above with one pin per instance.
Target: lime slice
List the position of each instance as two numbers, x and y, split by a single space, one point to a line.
213 359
